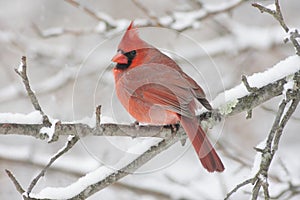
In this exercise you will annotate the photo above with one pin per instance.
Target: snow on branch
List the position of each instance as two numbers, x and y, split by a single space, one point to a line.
268 84
177 20
260 179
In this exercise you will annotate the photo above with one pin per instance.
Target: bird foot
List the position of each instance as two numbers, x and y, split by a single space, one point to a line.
174 127
135 124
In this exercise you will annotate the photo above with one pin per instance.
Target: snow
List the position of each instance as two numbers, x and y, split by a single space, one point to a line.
18 118
288 85
257 159
97 175
166 20
101 27
282 69
271 6
185 19
49 130
91 121
20 68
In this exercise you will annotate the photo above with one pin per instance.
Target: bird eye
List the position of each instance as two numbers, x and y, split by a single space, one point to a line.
133 53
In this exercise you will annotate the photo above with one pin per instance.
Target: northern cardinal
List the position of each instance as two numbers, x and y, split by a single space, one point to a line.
155 90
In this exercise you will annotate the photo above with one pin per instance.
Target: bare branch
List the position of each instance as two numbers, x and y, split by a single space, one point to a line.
168 21
131 167
22 72
277 14
15 182
71 142
237 187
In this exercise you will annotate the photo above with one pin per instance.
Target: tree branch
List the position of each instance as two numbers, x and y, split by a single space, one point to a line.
172 20
22 72
15 182
70 143
277 14
260 180
241 104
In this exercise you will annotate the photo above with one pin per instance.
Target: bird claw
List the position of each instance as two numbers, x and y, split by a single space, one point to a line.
174 127
135 123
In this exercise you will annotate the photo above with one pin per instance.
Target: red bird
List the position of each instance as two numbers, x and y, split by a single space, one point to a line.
155 90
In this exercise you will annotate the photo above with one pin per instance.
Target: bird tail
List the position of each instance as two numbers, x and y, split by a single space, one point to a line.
205 151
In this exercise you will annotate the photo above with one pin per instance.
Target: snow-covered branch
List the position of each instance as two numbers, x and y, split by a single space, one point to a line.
270 147
269 84
176 20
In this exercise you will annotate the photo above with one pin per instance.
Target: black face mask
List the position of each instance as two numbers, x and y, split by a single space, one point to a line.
130 56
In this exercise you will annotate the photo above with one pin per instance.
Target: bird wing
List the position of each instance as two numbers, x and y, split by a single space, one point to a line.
160 85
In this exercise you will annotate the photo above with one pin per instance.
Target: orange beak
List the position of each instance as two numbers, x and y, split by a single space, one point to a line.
120 58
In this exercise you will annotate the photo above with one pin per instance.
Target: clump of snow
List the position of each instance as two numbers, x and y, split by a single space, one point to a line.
97 175
18 118
20 68
101 27
271 6
49 130
91 121
185 19
289 85
166 20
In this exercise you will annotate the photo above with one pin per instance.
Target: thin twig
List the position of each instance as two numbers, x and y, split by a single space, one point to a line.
247 85
238 186
277 14
117 24
70 143
264 107
22 72
15 181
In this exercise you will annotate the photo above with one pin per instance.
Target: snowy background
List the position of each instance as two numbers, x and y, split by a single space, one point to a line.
71 74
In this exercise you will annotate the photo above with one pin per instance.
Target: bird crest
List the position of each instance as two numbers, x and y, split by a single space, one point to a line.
131 40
